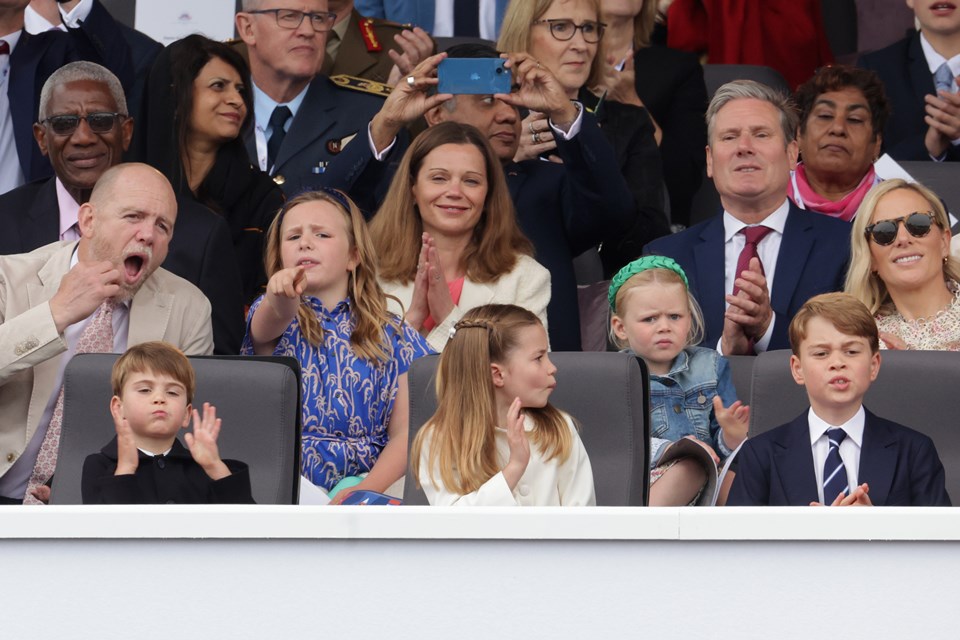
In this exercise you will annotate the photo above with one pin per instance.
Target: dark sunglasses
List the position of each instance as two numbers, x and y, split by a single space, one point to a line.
885 232
99 122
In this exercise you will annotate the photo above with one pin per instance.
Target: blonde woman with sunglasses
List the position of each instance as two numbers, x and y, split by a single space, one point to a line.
901 267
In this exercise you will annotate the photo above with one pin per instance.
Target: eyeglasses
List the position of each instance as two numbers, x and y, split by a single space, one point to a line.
563 29
292 19
99 122
885 232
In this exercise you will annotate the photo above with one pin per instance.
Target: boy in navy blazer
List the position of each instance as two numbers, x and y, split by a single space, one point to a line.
838 453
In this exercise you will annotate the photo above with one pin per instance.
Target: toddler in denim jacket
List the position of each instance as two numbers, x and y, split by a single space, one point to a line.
691 392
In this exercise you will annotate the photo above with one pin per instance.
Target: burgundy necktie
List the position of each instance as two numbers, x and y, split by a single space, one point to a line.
4 48
753 235
97 337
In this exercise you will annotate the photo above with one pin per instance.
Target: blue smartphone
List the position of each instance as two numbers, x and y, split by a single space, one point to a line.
473 75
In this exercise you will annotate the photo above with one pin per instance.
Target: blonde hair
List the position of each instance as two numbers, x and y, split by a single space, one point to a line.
368 301
462 431
663 277
518 21
847 314
862 282
156 357
397 228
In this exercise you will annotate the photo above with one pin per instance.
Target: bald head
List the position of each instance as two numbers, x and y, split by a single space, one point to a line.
129 221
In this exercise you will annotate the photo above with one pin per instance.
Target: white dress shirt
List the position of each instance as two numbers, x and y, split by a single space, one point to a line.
849 448
767 249
443 19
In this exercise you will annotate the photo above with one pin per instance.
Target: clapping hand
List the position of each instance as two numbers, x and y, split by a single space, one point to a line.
519 445
202 443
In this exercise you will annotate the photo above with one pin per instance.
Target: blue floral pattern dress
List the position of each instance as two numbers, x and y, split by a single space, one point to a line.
347 401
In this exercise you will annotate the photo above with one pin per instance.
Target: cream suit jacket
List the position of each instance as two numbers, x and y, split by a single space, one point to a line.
527 286
165 308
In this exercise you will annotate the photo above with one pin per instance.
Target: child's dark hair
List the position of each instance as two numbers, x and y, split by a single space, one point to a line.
850 317
158 358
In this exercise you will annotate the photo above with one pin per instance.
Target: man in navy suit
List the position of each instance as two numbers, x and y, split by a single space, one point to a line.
751 130
303 120
31 60
837 453
925 124
46 211
564 209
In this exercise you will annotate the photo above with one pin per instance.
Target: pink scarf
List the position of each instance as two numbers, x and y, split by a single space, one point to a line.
844 208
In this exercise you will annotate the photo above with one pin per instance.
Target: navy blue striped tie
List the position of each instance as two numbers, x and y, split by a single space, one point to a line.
834 473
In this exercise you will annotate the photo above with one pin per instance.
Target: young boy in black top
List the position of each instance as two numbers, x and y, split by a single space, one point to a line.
153 385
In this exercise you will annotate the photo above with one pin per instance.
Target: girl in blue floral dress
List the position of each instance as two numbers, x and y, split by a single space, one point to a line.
324 307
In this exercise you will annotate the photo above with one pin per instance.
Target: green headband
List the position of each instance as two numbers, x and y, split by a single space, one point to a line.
639 265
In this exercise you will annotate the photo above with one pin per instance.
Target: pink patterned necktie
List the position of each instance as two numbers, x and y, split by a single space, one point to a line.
753 235
97 337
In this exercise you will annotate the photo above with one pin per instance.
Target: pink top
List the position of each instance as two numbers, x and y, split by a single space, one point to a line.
456 288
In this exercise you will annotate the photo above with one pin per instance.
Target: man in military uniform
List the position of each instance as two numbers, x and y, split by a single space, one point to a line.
372 48
303 119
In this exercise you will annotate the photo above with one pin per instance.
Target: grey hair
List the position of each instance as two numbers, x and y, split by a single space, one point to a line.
249 5
751 89
81 70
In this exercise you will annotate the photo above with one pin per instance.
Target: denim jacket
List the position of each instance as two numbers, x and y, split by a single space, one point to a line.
681 402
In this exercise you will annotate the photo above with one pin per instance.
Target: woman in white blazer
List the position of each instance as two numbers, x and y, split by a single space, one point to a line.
447 236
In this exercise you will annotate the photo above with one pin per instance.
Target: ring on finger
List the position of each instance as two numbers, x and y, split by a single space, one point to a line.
530 126
536 137
411 81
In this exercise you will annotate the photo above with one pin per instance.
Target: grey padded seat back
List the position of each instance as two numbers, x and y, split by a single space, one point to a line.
717 75
914 388
258 400
607 392
940 177
741 370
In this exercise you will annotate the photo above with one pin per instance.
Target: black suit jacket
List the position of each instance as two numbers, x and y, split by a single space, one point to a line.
906 79
670 84
901 466
37 56
563 209
143 51
813 257
201 251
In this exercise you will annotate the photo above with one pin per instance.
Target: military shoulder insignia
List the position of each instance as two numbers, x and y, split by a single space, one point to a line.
362 84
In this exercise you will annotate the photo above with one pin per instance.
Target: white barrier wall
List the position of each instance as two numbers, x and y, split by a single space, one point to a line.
420 572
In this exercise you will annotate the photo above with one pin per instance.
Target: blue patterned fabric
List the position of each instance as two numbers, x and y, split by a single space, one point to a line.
347 401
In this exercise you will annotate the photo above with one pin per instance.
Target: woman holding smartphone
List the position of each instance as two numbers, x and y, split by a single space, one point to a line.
565 36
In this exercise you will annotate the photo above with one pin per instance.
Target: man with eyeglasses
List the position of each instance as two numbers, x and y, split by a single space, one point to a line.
84 130
754 266
25 63
303 119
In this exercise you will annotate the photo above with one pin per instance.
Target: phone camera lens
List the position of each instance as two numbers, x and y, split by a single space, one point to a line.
499 69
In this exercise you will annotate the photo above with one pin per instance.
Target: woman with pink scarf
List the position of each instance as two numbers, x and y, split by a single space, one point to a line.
842 113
